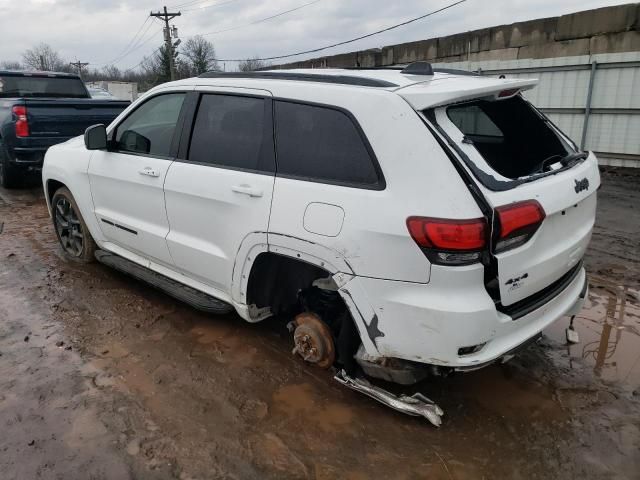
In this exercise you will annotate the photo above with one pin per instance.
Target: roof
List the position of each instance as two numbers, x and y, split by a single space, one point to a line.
421 90
36 73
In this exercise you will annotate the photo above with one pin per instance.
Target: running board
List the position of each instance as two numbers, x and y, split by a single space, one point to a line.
416 405
191 296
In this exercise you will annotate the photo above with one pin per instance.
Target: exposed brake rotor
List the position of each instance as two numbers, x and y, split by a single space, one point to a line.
313 340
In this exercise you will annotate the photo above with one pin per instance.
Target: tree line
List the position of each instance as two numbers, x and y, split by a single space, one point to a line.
195 56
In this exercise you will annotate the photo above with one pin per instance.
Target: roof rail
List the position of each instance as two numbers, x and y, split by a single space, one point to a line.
304 77
386 67
456 71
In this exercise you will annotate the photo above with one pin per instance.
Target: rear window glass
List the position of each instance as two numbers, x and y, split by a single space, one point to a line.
17 86
510 135
322 144
472 120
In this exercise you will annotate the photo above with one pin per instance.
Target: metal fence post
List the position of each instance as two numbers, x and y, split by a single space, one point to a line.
587 110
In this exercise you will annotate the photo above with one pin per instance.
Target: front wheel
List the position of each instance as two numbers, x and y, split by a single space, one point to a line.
72 232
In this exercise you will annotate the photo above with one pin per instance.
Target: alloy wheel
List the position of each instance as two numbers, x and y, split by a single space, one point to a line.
68 227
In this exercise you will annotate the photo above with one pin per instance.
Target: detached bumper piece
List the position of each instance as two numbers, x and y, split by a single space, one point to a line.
416 405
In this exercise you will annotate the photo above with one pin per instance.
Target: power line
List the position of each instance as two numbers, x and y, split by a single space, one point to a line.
141 61
226 30
135 45
186 4
220 4
314 50
131 42
262 19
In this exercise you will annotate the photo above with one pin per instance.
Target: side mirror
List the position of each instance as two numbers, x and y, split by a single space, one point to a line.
95 137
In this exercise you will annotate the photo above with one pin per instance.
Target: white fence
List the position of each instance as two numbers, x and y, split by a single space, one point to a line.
595 99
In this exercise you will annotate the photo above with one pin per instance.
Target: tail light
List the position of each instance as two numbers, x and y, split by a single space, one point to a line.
22 123
449 242
517 224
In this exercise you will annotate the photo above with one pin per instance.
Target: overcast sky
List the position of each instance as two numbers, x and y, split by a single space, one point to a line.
99 31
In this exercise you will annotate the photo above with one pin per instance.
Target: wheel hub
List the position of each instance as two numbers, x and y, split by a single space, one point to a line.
313 340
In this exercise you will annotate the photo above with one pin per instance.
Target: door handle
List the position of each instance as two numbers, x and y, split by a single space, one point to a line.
247 190
149 172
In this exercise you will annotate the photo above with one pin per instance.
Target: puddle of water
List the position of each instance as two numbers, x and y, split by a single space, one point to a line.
301 400
609 329
501 393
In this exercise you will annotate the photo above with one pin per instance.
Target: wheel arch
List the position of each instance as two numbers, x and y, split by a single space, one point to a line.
303 251
82 195
309 261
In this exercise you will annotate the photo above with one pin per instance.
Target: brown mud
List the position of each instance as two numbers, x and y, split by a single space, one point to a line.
102 377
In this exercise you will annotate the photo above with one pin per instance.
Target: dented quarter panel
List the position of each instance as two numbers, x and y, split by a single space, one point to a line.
402 144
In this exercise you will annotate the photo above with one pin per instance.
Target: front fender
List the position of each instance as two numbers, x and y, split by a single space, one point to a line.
68 163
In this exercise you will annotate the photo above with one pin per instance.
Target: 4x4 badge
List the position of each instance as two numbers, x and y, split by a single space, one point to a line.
581 185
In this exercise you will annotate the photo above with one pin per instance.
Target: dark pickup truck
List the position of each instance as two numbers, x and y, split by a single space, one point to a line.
40 109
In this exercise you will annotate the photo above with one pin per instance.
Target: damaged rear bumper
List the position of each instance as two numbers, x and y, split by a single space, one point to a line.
450 322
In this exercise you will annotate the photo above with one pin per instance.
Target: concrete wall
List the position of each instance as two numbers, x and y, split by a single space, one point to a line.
603 30
609 125
120 90
595 50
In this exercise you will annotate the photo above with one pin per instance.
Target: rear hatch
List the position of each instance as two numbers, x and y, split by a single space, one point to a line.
69 117
539 192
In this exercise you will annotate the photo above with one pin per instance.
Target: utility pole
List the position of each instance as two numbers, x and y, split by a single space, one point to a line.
79 66
166 17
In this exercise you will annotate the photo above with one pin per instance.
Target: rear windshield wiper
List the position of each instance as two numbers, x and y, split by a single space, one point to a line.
565 161
572 158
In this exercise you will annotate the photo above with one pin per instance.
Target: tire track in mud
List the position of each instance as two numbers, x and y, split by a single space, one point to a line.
153 389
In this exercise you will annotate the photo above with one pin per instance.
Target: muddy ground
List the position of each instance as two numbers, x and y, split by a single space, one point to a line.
102 377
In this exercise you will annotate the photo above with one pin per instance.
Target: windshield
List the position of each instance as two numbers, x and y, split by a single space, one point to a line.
46 87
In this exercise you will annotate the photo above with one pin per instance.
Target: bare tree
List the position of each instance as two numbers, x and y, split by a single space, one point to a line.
111 72
43 57
200 54
10 65
252 64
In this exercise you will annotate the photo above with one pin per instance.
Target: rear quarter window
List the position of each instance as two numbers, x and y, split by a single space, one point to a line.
323 144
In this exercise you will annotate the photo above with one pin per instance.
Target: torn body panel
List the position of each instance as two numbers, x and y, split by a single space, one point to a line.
416 405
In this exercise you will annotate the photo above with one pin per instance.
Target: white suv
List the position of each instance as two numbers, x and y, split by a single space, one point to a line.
407 217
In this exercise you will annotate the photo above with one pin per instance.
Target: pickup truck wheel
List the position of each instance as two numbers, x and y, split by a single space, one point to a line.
9 177
71 230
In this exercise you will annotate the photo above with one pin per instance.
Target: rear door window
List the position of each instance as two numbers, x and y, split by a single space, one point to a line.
323 144
233 132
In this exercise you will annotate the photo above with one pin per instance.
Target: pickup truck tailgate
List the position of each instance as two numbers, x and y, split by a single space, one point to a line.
69 117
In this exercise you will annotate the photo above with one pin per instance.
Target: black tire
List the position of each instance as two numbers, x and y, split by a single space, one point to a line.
9 174
71 230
